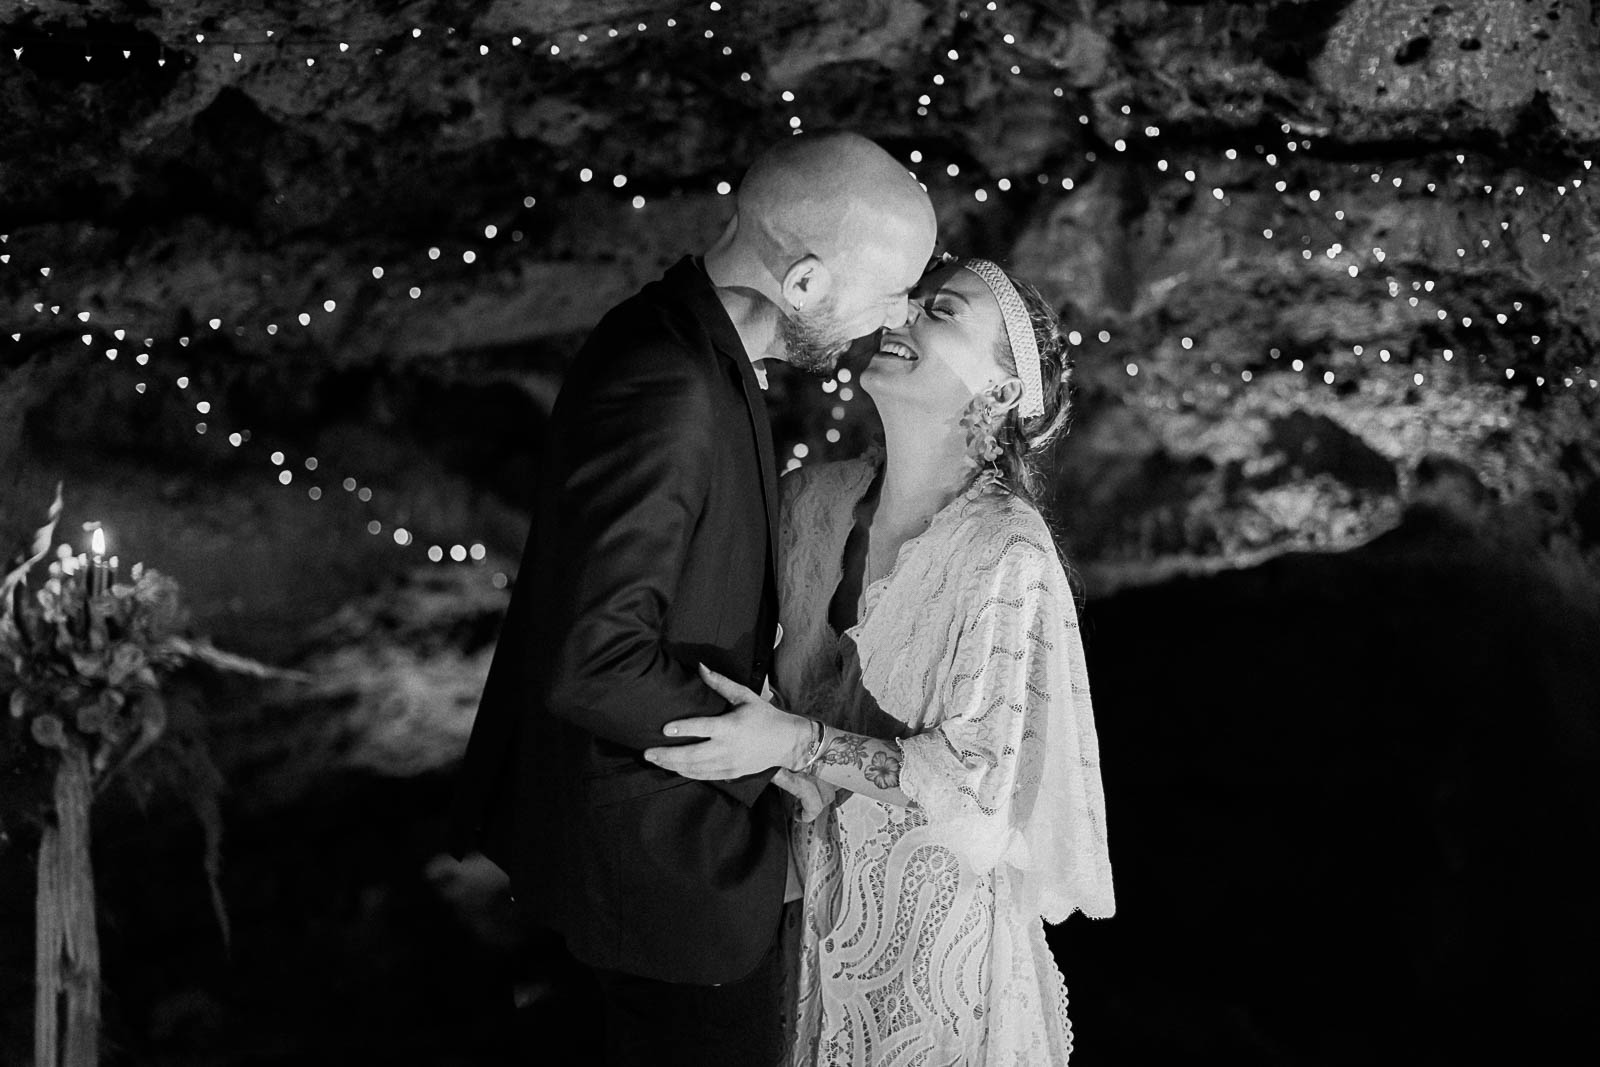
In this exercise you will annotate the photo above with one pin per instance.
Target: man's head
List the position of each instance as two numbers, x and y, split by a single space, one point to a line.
836 233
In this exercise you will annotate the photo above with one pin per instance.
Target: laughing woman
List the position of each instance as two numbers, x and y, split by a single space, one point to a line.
938 698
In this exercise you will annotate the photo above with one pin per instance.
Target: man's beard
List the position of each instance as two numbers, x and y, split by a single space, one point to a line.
813 341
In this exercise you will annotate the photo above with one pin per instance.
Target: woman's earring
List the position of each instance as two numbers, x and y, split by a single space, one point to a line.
983 418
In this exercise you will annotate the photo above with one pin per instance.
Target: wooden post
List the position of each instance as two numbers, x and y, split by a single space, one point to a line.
67 957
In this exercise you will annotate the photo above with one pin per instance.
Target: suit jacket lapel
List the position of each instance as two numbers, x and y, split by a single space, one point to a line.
756 404
696 288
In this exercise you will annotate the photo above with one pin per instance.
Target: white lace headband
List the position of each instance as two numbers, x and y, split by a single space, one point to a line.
1019 332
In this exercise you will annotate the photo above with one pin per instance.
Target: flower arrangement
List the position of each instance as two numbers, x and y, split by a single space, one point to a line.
84 663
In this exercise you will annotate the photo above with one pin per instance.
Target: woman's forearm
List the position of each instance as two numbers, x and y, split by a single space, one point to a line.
862 765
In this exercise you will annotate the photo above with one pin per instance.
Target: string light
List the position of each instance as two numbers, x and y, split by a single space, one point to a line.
980 195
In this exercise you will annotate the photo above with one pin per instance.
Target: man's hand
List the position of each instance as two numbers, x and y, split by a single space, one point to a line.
772 696
751 737
813 794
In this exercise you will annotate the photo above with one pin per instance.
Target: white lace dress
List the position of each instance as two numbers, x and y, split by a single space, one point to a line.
923 941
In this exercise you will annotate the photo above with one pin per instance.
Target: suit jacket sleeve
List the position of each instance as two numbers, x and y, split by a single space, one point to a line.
638 454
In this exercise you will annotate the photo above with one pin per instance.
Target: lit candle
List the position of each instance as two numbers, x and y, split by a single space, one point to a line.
71 576
97 575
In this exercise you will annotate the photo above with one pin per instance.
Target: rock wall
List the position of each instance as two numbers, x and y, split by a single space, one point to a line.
1304 245
285 294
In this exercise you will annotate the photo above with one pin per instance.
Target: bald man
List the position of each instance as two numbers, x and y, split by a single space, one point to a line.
653 549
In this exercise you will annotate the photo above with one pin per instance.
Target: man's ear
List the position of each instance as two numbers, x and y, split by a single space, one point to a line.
806 282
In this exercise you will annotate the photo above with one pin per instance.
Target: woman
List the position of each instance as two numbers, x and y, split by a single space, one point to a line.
933 664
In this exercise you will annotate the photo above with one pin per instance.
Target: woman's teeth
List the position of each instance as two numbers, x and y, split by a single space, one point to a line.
897 350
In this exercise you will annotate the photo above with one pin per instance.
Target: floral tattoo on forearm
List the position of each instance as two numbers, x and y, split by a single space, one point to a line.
878 761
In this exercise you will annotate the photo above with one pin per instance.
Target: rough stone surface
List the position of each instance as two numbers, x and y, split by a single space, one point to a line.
1334 267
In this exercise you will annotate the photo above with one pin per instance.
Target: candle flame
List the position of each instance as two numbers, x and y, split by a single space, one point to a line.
97 542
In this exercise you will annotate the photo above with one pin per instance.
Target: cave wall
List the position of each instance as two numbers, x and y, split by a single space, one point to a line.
1322 260
1304 245
285 294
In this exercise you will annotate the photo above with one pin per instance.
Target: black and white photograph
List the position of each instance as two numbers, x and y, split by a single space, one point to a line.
758 533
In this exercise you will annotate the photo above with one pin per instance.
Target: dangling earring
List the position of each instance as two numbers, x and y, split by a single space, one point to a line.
983 418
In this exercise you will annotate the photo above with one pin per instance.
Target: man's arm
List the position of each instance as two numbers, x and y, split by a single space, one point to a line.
756 734
638 453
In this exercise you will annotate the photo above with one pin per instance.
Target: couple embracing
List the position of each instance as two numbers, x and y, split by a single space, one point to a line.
798 769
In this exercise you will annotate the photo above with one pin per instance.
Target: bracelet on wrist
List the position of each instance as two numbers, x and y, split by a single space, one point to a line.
814 750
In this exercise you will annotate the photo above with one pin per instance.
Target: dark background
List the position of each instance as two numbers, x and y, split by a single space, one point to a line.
1338 550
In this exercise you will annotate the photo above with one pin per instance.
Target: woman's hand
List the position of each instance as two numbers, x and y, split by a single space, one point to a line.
751 737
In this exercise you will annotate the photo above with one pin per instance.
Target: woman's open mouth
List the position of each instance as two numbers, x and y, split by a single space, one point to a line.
890 347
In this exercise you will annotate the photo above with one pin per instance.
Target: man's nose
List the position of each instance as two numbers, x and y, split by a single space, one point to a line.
899 315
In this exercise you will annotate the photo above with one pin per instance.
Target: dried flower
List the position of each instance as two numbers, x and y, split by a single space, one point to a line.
126 661
981 417
48 731
91 719
84 674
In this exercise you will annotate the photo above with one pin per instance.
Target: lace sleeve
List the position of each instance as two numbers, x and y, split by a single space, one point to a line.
1011 773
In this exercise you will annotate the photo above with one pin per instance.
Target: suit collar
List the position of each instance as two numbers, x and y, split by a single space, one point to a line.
690 286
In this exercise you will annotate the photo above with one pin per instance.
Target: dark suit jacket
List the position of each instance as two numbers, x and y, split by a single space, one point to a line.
653 548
